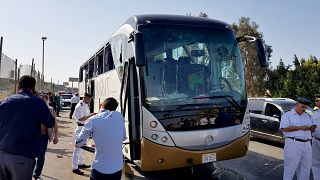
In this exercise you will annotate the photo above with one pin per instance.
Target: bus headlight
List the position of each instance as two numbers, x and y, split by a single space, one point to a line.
153 124
154 136
243 129
164 139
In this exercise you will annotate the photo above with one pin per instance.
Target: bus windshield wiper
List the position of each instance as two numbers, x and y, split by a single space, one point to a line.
186 105
229 98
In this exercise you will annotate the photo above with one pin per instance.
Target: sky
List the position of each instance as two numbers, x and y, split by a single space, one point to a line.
77 28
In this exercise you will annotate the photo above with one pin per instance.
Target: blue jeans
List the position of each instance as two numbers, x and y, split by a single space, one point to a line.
96 175
42 154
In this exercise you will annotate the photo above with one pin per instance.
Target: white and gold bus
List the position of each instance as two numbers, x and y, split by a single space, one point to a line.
181 87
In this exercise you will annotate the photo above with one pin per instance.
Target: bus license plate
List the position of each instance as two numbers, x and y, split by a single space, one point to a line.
212 157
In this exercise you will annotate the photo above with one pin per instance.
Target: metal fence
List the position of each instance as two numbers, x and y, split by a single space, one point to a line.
10 74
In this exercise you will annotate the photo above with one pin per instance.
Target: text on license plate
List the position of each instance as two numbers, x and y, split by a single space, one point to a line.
212 157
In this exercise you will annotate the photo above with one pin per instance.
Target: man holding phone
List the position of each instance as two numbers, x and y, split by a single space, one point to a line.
297 126
316 142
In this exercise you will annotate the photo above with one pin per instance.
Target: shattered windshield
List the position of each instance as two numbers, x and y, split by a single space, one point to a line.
184 62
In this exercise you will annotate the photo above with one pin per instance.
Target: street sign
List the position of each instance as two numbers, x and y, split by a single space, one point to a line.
71 79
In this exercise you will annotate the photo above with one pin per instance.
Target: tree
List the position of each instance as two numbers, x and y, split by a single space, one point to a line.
296 61
256 76
303 81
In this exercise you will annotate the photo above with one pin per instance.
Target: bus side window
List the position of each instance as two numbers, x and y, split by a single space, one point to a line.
81 74
85 72
91 68
108 60
99 69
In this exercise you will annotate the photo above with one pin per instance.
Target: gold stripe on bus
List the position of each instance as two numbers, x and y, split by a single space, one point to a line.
157 157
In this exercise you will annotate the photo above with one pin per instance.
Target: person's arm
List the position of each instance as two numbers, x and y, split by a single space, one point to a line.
46 117
55 129
79 114
285 125
82 138
296 128
84 118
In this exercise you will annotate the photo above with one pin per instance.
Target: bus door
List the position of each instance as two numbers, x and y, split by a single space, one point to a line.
129 102
91 91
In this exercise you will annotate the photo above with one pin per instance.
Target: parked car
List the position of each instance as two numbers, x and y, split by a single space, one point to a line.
66 100
265 116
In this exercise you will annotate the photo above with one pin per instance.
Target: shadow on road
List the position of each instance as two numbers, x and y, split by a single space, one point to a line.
256 166
64 152
272 143
202 172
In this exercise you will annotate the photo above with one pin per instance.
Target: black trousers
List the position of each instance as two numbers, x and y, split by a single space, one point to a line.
96 175
73 106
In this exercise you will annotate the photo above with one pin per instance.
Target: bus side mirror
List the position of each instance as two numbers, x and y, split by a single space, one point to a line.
259 47
139 49
261 53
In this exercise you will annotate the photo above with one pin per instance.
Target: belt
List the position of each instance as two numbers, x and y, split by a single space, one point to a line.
79 124
316 138
301 140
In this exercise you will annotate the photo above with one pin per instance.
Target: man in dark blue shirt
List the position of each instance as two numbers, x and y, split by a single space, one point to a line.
21 116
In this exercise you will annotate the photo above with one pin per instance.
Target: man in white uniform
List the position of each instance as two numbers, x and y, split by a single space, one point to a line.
316 143
74 101
296 126
108 132
82 113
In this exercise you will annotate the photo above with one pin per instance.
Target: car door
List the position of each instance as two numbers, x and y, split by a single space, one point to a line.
272 119
255 108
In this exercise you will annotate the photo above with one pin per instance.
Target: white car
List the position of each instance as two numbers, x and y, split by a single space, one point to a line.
66 100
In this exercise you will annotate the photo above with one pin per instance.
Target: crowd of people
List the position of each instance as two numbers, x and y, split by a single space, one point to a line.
28 121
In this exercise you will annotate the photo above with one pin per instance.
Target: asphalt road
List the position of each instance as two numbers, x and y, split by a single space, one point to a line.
263 161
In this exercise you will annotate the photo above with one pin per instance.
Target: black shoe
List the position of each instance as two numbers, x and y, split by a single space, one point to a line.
83 166
77 171
37 177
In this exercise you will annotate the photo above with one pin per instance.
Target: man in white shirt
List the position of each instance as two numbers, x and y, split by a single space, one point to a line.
316 142
108 132
74 101
296 126
82 113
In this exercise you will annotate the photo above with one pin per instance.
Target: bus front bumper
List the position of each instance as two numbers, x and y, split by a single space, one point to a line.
156 157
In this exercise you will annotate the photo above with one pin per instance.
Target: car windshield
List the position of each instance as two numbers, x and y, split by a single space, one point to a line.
66 96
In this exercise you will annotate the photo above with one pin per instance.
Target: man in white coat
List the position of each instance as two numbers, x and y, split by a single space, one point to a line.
82 113
296 126
316 142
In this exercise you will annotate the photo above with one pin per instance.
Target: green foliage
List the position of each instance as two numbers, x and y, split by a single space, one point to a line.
302 81
256 76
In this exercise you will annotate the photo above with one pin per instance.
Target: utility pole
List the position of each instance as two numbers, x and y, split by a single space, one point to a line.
1 41
15 75
42 77
51 86
32 67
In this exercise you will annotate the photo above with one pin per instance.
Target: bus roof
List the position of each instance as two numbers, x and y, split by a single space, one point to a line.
173 19
136 20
